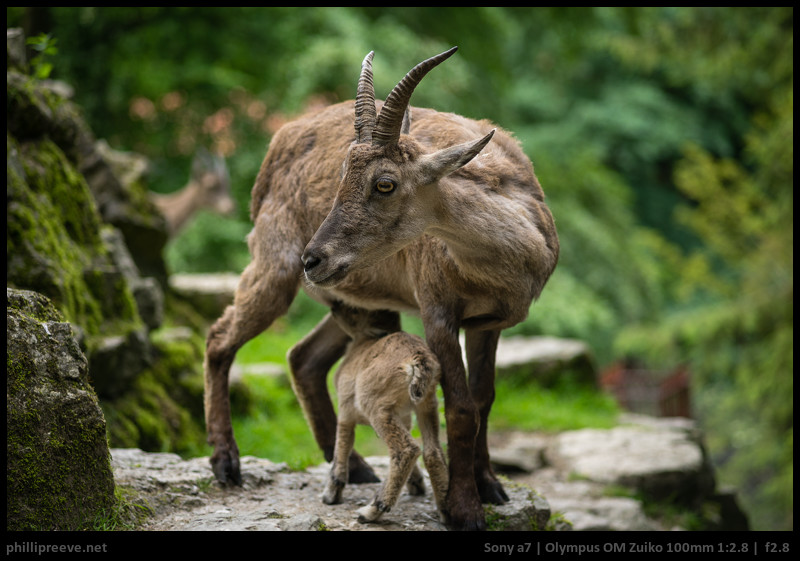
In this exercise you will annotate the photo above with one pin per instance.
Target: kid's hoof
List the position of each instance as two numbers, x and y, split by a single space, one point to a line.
331 499
333 493
368 514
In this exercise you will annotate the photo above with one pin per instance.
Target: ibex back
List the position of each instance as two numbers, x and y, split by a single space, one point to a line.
433 214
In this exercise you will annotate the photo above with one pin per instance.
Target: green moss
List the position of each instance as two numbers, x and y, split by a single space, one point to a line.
163 410
53 240
495 522
54 246
558 522
58 467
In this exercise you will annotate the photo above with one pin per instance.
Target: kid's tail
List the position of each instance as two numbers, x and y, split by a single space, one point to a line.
423 375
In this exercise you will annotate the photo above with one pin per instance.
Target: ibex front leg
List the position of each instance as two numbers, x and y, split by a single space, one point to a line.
310 360
266 289
481 347
218 360
463 510
345 436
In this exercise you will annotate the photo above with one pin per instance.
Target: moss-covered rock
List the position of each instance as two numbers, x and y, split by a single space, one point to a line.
70 225
53 243
161 411
35 112
58 471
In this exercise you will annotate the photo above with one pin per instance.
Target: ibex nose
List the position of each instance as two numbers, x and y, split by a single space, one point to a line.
310 260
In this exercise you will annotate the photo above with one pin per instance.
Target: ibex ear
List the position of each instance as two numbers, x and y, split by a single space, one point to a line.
406 121
439 164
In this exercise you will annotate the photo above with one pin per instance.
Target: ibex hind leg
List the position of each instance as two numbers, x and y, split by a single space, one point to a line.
310 360
263 295
432 455
403 453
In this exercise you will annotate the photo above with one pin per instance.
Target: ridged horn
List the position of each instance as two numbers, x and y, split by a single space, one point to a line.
365 102
390 120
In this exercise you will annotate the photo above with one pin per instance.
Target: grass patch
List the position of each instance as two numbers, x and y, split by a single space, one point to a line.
127 512
274 426
565 405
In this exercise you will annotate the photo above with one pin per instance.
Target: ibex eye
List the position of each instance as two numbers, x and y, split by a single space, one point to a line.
385 185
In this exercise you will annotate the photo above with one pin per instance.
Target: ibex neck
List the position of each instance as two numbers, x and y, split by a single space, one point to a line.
490 237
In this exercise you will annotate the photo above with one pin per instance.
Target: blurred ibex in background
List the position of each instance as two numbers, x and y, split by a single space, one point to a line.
409 210
209 187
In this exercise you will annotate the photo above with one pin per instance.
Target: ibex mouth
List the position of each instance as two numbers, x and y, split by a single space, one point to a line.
318 274
328 281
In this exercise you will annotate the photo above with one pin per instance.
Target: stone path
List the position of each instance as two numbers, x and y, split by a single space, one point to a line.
570 472
274 498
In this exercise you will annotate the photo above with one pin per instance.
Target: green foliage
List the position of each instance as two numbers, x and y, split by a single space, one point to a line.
737 329
209 243
45 47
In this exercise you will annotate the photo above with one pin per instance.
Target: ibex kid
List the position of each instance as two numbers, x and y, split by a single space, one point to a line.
385 375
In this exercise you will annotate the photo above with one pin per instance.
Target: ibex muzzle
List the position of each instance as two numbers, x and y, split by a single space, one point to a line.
387 195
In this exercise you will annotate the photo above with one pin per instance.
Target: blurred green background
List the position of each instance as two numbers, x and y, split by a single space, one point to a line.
663 138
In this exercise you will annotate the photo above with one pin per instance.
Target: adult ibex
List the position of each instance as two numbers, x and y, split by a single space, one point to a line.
401 217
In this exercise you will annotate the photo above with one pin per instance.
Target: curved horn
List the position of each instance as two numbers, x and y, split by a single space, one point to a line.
365 102
390 120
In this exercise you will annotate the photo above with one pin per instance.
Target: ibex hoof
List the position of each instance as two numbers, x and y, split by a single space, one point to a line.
492 492
226 468
333 492
369 513
464 513
468 523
